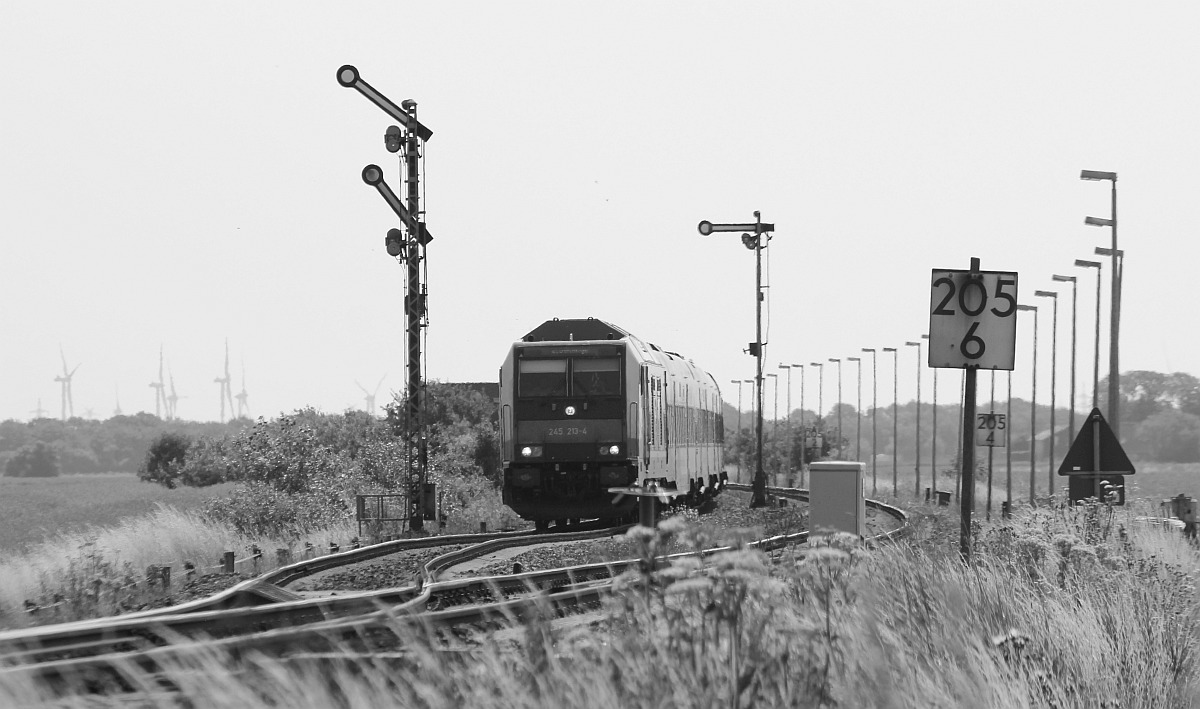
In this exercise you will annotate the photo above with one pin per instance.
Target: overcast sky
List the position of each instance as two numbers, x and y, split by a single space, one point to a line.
177 176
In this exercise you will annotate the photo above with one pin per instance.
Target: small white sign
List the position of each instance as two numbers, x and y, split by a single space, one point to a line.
991 430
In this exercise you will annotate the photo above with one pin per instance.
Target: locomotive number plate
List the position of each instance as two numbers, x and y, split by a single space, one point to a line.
569 431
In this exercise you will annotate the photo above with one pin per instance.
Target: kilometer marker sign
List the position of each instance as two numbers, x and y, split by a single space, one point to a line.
991 430
973 319
972 326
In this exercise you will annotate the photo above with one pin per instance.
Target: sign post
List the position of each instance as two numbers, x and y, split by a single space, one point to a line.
972 326
1096 460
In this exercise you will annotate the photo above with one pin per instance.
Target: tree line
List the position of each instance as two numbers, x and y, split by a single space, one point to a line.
46 447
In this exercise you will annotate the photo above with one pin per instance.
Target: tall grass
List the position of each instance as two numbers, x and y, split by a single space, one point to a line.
102 570
1060 608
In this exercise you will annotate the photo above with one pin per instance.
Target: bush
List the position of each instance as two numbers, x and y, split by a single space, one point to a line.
33 460
165 459
257 509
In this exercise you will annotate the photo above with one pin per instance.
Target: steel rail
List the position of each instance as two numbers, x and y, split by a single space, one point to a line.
245 608
562 589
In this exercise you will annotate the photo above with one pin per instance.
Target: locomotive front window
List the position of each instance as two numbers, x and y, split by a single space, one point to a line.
595 377
543 377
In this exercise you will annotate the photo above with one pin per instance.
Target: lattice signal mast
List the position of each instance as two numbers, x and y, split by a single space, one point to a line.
409 247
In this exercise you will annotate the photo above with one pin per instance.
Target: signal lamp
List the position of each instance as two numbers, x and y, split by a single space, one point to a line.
347 75
391 139
394 242
372 175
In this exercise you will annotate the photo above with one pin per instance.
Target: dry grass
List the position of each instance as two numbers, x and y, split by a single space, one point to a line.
1061 608
33 510
93 572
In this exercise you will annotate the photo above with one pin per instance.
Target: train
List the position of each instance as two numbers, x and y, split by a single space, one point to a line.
586 407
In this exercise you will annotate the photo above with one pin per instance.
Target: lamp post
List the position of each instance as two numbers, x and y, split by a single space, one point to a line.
1033 406
895 428
839 405
1114 370
1074 298
917 445
933 452
1053 370
752 409
738 438
820 400
757 238
874 408
1114 391
803 432
1096 365
788 421
858 412
775 425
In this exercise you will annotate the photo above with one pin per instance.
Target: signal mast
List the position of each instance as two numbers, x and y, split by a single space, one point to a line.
409 247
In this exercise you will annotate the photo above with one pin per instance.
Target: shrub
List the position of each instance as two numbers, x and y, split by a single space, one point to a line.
33 460
258 509
165 459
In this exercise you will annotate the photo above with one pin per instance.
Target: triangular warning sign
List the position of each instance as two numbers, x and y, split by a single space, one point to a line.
1081 459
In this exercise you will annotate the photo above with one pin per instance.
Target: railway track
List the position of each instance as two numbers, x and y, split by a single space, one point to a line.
262 616
264 602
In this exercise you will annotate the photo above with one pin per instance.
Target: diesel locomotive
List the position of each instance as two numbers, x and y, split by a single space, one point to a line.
585 406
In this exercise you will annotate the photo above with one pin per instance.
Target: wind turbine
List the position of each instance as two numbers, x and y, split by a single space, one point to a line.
173 398
68 404
243 407
370 398
226 390
160 395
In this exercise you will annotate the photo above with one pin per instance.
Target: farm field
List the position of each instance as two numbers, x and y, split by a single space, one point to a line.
33 510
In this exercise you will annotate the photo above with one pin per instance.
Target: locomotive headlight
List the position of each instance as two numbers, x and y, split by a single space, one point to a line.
569 411
610 450
531 452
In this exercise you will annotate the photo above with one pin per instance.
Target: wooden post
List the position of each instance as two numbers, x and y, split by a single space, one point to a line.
227 562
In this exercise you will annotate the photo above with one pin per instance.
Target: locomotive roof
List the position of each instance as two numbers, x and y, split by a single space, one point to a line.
557 330
578 329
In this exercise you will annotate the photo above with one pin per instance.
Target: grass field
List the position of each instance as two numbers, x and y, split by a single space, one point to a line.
34 510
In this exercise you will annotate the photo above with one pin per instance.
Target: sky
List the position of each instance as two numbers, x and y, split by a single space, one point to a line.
182 176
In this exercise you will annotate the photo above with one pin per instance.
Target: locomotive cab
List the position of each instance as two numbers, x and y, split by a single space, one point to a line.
564 405
585 406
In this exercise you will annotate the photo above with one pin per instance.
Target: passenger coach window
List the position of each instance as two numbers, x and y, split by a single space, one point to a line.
543 377
595 377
